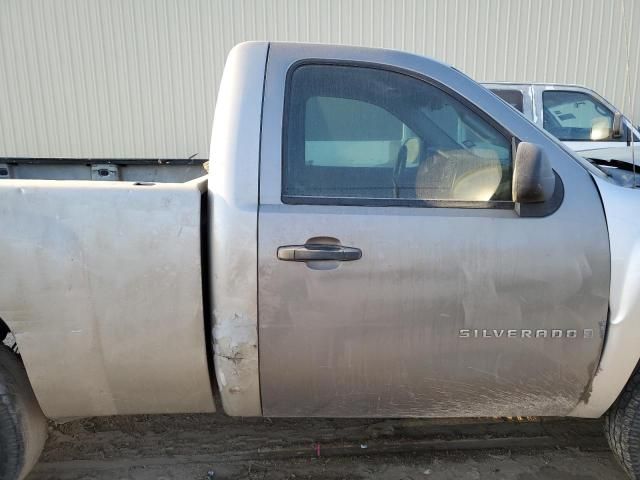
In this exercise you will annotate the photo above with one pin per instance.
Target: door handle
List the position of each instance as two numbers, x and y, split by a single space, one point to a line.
314 252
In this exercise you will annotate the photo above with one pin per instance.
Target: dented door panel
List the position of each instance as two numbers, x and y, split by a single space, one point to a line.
449 311
442 316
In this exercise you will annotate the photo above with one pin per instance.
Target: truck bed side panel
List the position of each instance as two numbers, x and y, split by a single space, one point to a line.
101 284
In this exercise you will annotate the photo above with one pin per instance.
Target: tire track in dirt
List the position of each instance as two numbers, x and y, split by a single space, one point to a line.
188 446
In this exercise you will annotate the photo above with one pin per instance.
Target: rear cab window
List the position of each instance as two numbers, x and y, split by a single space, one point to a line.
512 97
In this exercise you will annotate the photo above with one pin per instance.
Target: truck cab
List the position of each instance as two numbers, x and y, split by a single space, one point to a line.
377 236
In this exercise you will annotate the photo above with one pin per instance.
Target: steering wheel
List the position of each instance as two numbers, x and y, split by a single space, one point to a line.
411 152
399 167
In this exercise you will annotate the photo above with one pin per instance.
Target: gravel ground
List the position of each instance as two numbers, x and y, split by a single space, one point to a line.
163 447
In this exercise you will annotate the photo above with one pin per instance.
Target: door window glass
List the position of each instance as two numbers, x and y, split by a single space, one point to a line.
365 133
576 116
341 132
512 97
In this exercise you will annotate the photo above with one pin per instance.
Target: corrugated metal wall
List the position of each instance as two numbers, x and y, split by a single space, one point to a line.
138 78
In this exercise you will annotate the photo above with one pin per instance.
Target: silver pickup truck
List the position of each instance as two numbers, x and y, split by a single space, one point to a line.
577 115
378 236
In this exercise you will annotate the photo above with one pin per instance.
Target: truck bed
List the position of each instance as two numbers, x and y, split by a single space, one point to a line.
128 170
101 284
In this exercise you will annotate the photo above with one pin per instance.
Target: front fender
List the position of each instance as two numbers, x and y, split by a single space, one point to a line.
621 350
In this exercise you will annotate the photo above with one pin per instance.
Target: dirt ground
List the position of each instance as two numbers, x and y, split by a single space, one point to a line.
215 447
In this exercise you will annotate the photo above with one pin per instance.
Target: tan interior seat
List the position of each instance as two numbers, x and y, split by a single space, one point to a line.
463 175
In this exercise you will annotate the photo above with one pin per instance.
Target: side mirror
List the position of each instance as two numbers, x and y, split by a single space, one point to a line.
616 131
533 177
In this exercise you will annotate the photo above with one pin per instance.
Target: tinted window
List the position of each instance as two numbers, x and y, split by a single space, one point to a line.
512 97
576 116
349 133
364 133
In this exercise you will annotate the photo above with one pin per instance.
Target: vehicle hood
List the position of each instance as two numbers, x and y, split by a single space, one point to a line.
622 154
617 163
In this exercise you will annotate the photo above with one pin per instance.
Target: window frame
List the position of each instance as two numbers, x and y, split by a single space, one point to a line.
385 202
593 99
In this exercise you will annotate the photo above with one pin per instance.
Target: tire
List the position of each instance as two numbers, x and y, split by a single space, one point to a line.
622 427
23 426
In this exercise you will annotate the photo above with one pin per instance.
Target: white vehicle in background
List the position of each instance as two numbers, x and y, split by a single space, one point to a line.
577 115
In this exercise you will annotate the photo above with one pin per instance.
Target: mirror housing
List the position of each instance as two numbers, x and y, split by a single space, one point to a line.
616 131
533 177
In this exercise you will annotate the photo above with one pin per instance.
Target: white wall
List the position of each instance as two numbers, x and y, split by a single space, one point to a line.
138 78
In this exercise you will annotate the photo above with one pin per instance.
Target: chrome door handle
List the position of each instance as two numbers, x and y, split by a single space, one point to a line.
315 252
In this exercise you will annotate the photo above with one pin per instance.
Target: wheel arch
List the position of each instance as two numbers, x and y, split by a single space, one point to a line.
4 329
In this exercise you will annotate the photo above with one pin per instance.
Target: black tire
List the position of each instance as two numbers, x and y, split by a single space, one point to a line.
23 426
622 427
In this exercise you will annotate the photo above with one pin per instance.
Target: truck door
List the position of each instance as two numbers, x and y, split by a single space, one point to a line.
396 278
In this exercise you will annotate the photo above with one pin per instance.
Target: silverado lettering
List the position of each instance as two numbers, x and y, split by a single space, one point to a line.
526 333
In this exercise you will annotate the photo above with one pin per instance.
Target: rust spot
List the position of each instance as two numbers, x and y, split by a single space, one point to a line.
586 393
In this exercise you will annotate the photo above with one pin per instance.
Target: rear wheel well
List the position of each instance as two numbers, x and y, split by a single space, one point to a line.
7 339
4 330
